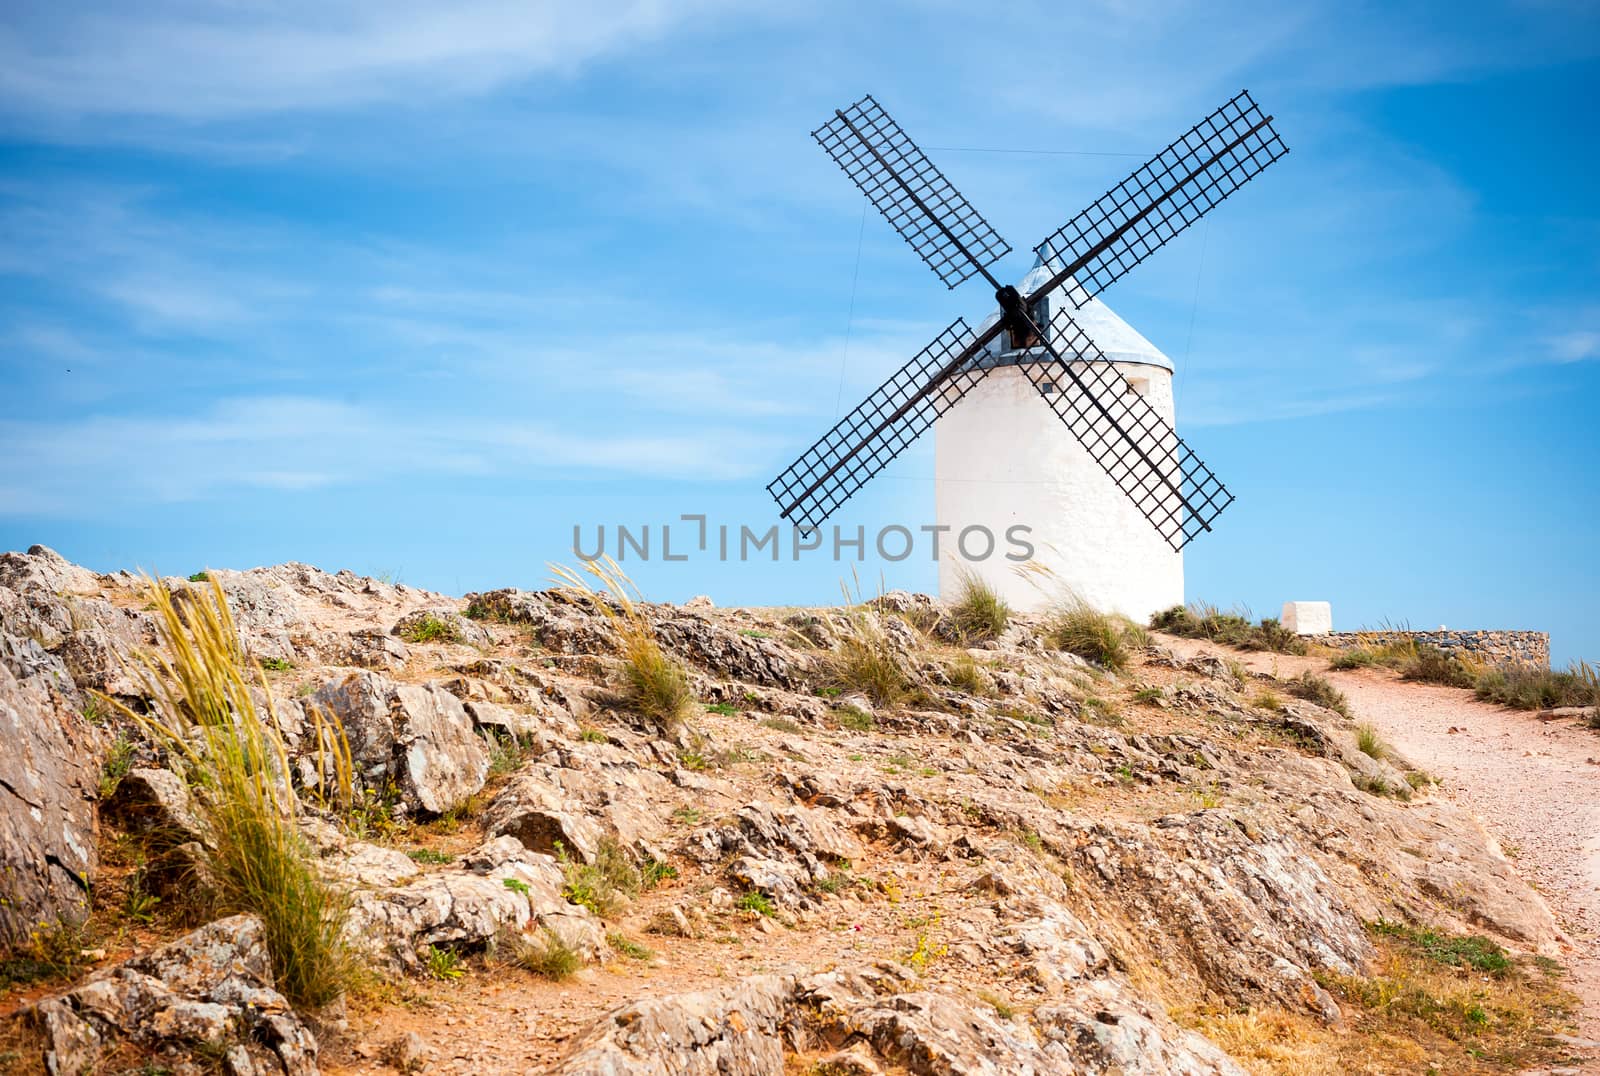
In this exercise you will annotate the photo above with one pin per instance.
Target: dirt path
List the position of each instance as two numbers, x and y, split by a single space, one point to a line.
1534 784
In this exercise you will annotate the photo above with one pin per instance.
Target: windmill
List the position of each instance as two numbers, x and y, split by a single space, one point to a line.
1118 450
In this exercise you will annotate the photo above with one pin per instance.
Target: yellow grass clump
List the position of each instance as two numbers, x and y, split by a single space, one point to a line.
227 743
656 686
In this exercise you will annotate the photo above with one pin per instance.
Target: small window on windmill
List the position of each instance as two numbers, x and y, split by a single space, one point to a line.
1047 387
1138 386
1040 313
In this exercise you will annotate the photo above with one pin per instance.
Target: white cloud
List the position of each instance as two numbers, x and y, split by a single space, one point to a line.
192 60
300 443
1575 346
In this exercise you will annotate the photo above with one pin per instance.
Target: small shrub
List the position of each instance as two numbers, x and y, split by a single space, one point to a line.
867 662
628 947
654 872
654 685
50 952
199 577
1204 621
119 760
1540 689
1370 742
1430 665
965 675
604 886
1267 699
781 724
978 613
546 954
590 734
1318 690
430 629
1148 695
1003 1009
688 816
506 752
854 719
726 709
1095 636
1098 711
428 855
756 901
442 964
276 664
516 885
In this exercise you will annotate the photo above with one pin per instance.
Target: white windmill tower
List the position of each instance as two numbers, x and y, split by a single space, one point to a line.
1111 492
1002 459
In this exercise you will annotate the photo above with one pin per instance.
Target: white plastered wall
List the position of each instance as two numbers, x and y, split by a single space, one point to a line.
1002 458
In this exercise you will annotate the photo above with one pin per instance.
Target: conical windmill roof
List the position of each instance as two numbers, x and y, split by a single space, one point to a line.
1119 341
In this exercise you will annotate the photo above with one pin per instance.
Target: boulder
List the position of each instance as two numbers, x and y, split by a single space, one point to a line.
468 906
416 735
212 989
49 771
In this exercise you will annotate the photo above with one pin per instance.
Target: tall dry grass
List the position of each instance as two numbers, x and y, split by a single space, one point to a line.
655 686
231 751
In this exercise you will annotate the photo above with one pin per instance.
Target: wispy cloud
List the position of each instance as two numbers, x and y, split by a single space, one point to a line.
191 60
1575 346
298 443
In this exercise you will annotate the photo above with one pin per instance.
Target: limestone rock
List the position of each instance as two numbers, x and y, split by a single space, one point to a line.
416 735
468 906
213 988
49 768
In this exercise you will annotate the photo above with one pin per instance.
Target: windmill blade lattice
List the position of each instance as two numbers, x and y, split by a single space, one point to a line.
1128 438
913 195
1164 196
863 442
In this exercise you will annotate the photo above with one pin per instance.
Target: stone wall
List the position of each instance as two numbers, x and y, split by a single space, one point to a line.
1530 648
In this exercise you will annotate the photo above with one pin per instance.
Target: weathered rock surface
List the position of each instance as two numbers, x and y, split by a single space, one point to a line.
415 735
212 988
745 1029
49 768
468 906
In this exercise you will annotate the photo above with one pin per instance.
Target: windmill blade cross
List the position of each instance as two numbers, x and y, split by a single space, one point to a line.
1150 463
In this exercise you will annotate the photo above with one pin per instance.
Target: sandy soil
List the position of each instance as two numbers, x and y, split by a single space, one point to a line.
1534 784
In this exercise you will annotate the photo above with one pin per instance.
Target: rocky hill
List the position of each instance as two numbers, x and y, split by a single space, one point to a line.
876 845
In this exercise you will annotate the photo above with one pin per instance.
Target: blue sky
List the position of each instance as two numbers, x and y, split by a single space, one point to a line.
415 288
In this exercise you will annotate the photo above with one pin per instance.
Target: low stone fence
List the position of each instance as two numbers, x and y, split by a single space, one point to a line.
1530 648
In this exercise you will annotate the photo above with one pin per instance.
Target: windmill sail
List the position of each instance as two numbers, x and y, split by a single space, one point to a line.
1128 438
1163 196
884 425
913 195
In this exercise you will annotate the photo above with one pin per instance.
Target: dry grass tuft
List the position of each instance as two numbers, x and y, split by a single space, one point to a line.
1540 689
978 613
1436 1003
1202 620
655 686
232 754
1317 689
1103 638
866 660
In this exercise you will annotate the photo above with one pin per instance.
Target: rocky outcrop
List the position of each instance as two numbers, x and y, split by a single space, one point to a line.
416 736
49 768
213 989
859 1019
499 887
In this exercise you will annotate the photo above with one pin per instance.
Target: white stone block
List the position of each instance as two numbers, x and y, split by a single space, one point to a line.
1307 618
